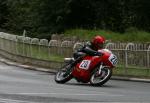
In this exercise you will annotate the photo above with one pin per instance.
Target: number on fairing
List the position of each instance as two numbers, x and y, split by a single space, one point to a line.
113 59
85 64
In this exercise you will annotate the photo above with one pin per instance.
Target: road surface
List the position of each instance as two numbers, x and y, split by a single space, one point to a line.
18 85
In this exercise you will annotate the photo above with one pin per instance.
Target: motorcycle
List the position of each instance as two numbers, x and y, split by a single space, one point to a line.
96 70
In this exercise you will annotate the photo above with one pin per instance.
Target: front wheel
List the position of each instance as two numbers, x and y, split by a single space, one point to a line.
99 79
64 75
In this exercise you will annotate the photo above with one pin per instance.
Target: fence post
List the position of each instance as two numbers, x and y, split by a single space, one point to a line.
1 36
126 55
67 45
148 57
13 40
24 33
43 48
53 47
27 42
20 39
34 43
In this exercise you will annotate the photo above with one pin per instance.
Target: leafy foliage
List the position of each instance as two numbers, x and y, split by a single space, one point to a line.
3 13
43 17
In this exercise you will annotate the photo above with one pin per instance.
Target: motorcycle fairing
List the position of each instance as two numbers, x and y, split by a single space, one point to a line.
83 69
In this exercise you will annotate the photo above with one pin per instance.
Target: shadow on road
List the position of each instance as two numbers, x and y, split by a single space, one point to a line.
89 85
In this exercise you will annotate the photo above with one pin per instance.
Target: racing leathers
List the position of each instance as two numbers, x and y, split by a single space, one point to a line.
87 49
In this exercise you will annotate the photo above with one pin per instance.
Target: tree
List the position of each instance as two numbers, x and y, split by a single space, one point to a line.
18 18
40 18
142 12
80 13
3 13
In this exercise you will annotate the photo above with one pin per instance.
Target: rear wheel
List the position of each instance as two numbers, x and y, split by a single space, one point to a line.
64 75
99 79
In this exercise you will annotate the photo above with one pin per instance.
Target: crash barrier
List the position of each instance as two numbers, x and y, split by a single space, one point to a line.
34 47
130 55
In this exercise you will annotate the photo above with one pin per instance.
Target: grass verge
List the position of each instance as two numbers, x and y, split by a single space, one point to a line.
132 72
132 35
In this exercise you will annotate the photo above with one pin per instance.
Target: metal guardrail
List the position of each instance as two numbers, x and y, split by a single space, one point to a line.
34 47
134 55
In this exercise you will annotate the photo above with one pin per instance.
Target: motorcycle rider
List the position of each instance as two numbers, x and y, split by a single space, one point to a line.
91 48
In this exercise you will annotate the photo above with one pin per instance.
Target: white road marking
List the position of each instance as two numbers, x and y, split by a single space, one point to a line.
20 101
69 94
14 101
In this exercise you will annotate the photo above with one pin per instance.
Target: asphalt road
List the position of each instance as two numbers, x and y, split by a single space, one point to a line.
18 85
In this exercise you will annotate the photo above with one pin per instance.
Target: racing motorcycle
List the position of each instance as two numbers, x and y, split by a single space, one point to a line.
96 70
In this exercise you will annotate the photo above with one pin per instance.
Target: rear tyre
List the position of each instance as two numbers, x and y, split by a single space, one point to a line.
64 75
100 79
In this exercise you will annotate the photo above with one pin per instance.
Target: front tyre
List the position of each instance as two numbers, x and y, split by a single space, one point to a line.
64 75
100 79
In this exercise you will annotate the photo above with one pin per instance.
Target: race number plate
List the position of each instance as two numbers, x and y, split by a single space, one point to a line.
113 59
85 64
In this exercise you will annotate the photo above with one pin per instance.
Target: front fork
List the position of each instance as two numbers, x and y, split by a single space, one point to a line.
68 68
101 67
